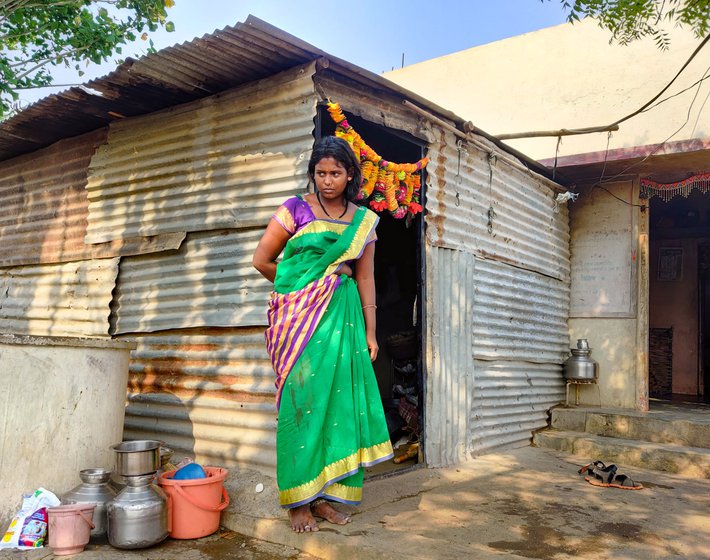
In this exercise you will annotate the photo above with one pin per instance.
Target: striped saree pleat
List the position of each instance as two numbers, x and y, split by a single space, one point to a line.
293 318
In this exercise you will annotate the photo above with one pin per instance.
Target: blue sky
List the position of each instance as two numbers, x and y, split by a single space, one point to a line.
372 34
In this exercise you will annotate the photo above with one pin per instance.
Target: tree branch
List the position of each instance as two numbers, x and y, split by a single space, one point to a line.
46 61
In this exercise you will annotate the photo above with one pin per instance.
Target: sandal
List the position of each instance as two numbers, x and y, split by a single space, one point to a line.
599 471
618 481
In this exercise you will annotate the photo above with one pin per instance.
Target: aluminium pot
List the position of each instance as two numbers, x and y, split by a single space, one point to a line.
138 516
580 366
94 489
139 457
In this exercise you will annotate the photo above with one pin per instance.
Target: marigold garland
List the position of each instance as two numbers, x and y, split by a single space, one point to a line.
388 185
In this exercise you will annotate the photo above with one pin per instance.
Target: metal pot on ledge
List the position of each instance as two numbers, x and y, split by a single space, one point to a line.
580 367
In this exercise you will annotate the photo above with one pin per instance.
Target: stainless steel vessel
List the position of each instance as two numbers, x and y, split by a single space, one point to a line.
580 366
138 516
135 458
94 489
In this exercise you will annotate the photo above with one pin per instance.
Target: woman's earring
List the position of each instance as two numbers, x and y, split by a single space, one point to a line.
350 178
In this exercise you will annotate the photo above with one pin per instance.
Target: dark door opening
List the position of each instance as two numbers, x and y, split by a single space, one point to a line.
704 320
399 280
679 298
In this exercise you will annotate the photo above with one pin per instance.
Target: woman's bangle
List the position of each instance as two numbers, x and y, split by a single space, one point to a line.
371 305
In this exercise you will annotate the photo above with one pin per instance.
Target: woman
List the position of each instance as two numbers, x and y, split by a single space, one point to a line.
321 339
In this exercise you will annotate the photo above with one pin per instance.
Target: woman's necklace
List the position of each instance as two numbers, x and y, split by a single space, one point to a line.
326 212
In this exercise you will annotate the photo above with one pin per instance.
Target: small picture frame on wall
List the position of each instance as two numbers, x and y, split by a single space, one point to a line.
670 264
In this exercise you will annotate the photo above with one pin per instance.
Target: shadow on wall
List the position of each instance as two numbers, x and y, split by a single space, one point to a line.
207 393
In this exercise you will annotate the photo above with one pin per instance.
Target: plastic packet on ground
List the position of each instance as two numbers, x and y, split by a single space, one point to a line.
28 529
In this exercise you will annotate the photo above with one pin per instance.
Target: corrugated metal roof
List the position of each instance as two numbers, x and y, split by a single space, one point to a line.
210 281
199 68
70 299
225 161
174 75
209 392
528 229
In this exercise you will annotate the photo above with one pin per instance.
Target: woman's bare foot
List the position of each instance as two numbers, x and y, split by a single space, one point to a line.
302 520
321 508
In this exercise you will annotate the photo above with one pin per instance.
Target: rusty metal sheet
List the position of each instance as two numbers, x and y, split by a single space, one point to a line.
226 161
527 228
44 204
210 281
175 75
206 391
45 208
68 299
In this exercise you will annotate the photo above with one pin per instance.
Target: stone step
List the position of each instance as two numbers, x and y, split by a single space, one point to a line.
668 457
690 429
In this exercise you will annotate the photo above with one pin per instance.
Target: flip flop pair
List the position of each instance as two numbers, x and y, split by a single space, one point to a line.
605 476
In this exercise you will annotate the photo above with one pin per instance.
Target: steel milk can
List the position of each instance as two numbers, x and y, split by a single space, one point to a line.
580 366
138 516
94 489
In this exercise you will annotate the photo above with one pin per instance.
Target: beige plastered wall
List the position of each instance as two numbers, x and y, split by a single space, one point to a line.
569 76
61 408
618 336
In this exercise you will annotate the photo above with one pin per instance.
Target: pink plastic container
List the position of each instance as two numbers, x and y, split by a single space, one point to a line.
69 528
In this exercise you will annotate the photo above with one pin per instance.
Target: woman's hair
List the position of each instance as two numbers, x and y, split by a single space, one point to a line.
340 151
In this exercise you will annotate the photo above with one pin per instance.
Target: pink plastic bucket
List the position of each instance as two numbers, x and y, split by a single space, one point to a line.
194 505
69 528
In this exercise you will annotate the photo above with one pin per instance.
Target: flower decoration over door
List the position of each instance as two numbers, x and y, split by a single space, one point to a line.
387 185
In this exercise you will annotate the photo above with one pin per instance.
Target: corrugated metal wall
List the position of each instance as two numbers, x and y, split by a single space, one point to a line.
210 281
69 299
225 161
44 203
526 230
511 400
519 314
228 160
516 287
207 391
449 339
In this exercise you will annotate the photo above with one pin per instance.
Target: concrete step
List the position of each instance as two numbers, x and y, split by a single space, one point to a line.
667 457
685 428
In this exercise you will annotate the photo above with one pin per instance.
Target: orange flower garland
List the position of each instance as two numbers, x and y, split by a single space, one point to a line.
389 186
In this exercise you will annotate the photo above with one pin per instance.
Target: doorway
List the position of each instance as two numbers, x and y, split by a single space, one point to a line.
679 298
399 269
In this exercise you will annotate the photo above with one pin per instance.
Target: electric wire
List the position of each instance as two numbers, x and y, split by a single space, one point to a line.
655 150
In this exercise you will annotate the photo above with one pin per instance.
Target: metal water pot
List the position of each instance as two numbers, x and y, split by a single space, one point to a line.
138 516
94 489
580 366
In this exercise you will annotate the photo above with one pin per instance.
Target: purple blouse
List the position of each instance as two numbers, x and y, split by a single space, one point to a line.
295 213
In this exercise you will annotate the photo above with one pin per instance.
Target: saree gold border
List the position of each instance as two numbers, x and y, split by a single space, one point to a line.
360 237
334 470
320 226
349 493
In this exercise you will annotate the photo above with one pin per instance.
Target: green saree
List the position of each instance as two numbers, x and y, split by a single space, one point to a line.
331 424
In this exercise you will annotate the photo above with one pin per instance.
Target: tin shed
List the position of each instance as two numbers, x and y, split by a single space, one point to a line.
133 214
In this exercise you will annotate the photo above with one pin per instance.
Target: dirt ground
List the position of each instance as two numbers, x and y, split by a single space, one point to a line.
224 545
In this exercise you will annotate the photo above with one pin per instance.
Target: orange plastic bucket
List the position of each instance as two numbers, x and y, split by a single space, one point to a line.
194 505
